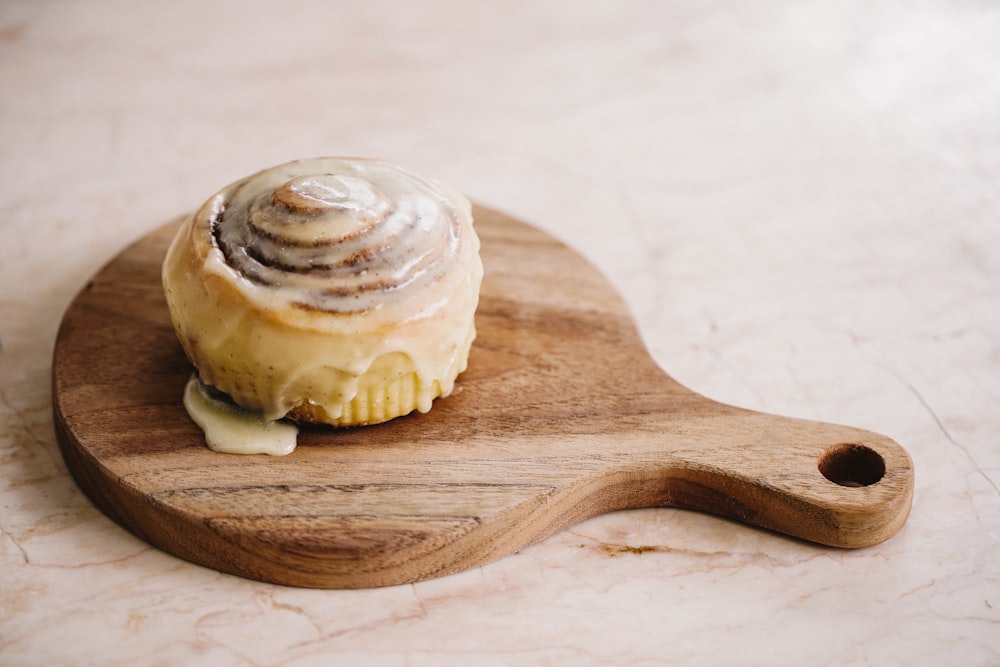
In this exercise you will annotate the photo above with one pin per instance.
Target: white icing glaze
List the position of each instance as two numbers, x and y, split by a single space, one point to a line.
346 237
232 430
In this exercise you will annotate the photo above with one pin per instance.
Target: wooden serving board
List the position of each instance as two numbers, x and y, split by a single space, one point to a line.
561 416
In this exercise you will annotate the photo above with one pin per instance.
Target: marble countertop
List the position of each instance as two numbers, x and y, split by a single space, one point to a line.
799 201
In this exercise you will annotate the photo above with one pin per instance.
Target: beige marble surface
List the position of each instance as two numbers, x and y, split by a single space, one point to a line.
800 202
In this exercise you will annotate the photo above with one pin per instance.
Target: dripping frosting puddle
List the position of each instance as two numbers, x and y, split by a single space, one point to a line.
230 429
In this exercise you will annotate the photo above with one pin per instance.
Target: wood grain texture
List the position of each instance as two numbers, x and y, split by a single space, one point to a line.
561 416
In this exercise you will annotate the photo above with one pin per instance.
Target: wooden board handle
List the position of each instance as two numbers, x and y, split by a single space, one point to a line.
834 485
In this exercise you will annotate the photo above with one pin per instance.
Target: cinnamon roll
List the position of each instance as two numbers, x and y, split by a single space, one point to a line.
333 290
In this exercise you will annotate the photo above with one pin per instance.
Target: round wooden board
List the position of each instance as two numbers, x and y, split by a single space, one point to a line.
562 415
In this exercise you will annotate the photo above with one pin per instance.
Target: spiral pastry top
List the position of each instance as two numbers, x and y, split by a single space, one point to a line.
334 290
344 237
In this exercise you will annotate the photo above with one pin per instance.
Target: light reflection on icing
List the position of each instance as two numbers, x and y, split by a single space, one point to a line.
232 430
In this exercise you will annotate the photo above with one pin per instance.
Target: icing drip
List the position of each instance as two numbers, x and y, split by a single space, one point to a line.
230 429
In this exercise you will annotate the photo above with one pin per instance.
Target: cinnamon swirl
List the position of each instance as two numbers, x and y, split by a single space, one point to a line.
332 290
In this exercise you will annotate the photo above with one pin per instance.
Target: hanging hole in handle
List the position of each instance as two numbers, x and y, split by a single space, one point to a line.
852 465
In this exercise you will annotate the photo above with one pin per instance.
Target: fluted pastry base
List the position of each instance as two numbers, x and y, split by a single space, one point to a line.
390 388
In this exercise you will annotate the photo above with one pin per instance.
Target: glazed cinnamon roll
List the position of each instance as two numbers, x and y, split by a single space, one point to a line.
337 291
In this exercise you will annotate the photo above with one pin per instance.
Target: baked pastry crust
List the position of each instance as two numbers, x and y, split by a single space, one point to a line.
332 290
